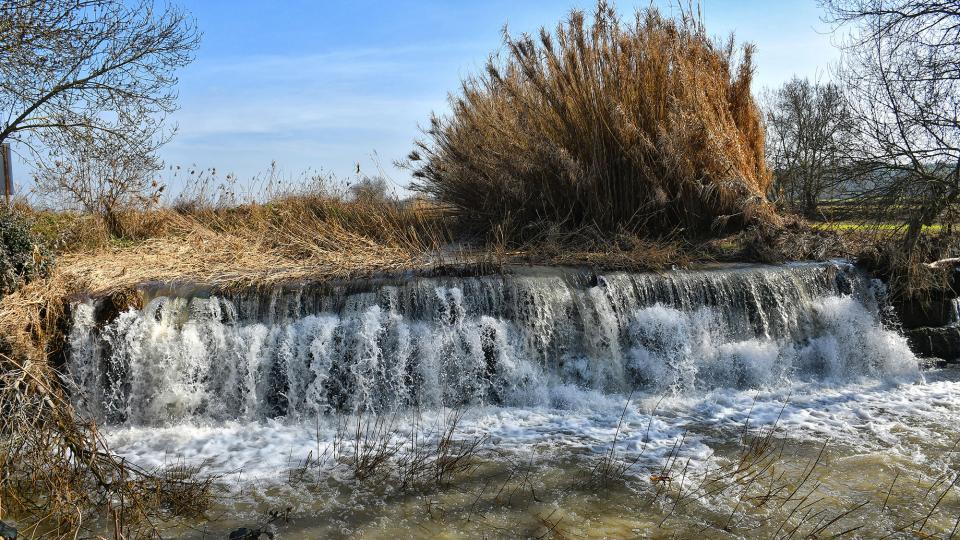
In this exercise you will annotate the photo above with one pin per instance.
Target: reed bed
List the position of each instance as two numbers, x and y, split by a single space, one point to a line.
645 127
256 244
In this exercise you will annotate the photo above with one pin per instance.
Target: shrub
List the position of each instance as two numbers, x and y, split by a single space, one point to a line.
22 257
647 127
909 275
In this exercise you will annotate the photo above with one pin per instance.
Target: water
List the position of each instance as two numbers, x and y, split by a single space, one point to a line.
549 368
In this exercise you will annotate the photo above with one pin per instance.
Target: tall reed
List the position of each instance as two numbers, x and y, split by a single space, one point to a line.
645 127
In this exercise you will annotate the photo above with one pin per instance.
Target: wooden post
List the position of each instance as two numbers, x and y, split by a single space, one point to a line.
6 172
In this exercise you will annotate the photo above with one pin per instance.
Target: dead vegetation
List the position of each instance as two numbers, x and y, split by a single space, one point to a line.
914 276
292 237
792 240
396 449
58 477
647 127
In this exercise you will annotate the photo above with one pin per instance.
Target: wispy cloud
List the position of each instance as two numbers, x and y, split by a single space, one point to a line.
310 109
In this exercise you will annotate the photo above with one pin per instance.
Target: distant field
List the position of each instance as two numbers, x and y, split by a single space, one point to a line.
879 227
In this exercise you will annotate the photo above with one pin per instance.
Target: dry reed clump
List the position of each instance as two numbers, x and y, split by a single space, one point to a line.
793 239
647 127
914 276
57 477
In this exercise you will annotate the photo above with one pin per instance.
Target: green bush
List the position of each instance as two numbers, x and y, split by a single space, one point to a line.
22 257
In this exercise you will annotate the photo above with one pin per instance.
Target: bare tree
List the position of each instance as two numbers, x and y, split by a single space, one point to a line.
901 71
370 189
808 132
85 86
106 65
100 173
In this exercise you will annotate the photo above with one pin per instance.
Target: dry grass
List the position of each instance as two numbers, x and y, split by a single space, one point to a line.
291 238
302 236
57 476
647 128
907 275
398 450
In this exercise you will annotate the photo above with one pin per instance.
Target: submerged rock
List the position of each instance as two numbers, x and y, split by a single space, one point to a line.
244 533
7 532
943 342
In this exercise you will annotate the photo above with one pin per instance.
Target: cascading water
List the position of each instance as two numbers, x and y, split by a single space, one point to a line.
502 340
557 368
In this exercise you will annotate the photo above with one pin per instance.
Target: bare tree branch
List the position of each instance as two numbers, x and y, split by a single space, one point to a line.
88 62
86 85
901 74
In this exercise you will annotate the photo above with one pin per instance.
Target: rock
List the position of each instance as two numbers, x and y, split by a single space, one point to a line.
915 314
943 342
245 533
7 532
110 307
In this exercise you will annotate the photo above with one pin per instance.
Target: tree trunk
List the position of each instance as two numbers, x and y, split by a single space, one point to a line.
810 206
114 226
912 237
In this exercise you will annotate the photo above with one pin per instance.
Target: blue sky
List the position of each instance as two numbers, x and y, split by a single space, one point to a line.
323 85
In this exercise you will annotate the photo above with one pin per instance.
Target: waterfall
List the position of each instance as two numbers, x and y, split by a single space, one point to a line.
307 349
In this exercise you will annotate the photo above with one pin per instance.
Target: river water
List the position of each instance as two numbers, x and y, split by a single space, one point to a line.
735 402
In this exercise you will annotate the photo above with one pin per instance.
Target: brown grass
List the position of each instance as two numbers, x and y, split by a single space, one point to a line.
293 237
647 128
58 478
907 275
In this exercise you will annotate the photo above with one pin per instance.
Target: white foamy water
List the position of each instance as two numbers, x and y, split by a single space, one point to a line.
900 418
250 383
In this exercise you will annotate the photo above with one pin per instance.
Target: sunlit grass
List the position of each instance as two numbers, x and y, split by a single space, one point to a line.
841 226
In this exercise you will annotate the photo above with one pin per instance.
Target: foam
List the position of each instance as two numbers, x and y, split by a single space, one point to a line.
898 418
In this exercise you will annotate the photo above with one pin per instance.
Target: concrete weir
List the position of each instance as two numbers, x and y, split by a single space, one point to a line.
431 341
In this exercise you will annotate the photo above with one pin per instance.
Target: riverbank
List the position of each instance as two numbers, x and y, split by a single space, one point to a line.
260 247
740 400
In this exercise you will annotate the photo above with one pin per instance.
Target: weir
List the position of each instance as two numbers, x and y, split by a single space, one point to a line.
302 350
